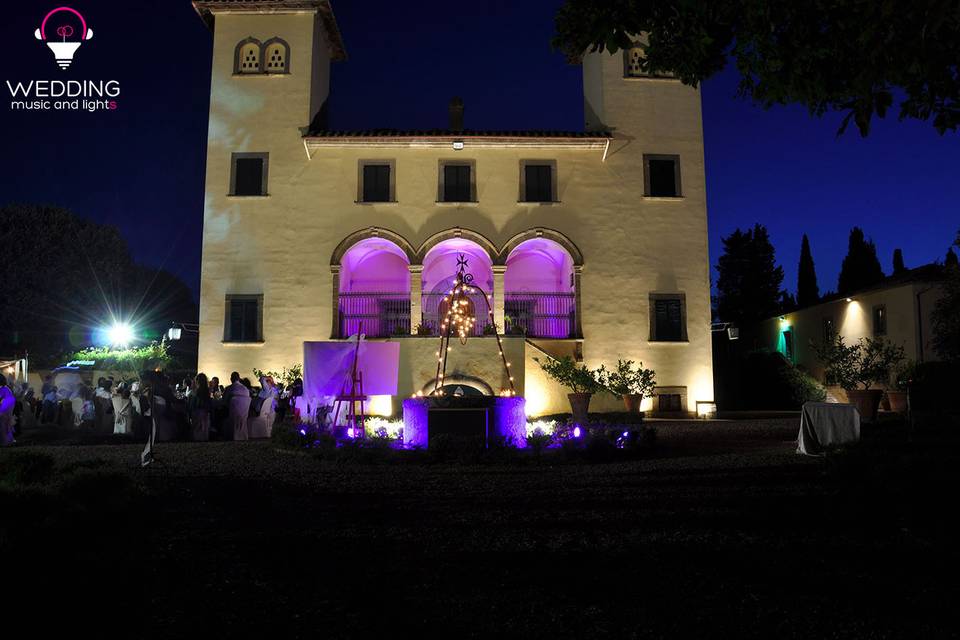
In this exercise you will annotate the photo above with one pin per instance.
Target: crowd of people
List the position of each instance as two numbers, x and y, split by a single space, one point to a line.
197 408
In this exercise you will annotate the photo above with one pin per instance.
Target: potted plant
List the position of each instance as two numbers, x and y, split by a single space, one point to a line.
581 381
857 367
489 329
631 384
897 396
424 329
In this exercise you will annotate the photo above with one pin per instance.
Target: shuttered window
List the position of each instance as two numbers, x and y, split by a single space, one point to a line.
376 183
456 183
538 183
243 323
667 318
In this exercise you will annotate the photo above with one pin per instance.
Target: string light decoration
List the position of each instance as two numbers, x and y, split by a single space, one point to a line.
459 321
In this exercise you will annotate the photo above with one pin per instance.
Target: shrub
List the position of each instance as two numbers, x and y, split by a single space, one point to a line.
628 380
579 379
538 441
870 360
801 387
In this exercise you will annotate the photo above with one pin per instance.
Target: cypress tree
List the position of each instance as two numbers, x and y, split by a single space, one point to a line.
749 282
860 268
951 260
898 266
808 292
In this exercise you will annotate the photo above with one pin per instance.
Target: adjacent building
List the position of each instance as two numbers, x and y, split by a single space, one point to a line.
590 243
897 309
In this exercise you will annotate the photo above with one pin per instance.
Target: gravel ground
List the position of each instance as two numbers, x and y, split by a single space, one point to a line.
726 533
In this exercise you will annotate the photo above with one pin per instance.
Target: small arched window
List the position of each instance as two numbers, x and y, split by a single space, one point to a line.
632 59
247 57
276 56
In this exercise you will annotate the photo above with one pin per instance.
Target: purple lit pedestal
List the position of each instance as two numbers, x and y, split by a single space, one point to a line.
506 417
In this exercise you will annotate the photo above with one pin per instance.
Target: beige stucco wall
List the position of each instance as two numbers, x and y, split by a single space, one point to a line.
280 246
854 320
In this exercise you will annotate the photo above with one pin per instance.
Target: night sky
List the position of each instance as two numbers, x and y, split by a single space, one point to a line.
141 167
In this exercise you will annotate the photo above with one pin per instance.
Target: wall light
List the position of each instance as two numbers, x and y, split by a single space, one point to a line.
849 299
458 145
706 410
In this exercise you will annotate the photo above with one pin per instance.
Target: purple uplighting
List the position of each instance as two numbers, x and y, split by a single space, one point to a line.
576 432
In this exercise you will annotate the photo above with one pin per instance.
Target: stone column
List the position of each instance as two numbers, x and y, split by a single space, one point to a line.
577 306
498 272
335 306
416 296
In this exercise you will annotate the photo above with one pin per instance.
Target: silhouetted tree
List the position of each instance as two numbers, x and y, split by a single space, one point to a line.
808 292
951 259
861 268
749 280
69 276
827 55
898 266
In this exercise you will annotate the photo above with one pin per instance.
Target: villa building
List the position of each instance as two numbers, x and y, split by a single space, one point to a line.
898 309
590 243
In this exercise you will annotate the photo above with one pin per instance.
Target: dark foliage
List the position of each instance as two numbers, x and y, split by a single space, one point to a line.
860 268
848 56
946 315
70 276
808 292
951 258
749 281
763 380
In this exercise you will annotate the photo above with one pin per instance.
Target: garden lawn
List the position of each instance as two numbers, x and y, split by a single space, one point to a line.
725 533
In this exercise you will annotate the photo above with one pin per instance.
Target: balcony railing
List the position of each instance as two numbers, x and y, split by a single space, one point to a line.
540 315
380 314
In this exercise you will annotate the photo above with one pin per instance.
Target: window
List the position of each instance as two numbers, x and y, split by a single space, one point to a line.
246 57
456 182
668 317
376 182
669 402
880 320
829 331
632 59
248 175
276 56
244 319
537 181
661 175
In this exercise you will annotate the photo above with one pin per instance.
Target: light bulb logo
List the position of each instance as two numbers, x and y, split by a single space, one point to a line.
63 49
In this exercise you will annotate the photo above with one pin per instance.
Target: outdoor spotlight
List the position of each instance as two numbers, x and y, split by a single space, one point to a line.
120 334
849 299
174 333
576 432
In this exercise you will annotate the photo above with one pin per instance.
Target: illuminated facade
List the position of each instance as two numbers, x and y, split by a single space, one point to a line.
897 309
590 243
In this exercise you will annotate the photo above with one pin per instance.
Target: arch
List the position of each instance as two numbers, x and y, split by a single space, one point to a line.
276 56
542 232
373 295
539 297
373 232
248 56
457 233
440 266
453 379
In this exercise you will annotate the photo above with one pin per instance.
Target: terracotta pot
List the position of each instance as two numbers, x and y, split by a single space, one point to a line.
579 404
867 402
632 402
897 400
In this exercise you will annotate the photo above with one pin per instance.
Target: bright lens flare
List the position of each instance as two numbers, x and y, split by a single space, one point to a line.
120 334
